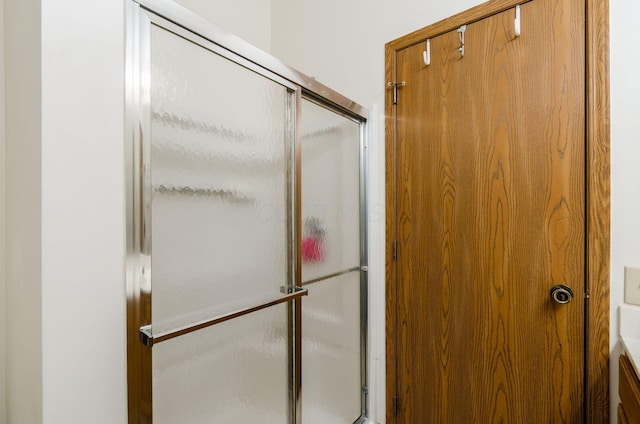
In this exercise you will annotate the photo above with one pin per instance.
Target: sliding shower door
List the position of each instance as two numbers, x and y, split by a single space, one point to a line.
219 234
243 197
331 271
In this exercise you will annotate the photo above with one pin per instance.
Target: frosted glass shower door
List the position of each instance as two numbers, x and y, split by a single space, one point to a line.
333 360
245 192
220 217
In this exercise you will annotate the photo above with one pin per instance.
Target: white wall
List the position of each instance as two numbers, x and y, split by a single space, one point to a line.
625 154
83 297
23 260
247 19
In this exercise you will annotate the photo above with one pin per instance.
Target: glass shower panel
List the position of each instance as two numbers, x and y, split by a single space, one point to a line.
234 372
218 183
330 192
331 357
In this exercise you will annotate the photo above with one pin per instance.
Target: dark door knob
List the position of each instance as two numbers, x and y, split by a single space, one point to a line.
561 294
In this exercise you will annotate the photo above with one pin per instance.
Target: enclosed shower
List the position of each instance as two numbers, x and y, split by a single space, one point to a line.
246 230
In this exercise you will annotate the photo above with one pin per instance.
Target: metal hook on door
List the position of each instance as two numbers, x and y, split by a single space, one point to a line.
461 31
517 21
426 55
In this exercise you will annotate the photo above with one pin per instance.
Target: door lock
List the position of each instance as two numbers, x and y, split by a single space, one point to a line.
561 294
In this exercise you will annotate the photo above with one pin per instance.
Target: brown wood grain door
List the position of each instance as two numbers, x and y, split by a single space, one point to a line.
490 215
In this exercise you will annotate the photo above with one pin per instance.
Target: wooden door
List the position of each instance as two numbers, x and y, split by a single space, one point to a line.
489 216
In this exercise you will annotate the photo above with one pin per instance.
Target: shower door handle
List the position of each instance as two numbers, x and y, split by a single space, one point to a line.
148 339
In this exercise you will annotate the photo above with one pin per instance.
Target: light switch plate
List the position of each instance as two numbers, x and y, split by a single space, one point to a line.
632 285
